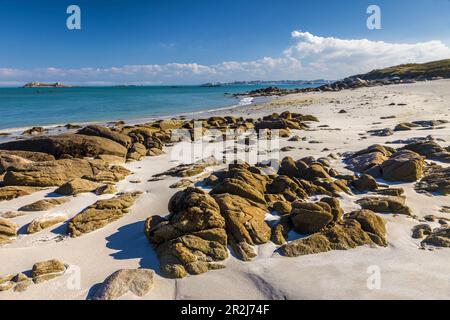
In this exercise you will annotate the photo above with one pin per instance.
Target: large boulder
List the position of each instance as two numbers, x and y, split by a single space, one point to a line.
68 145
104 132
406 166
45 222
58 172
137 281
366 159
101 213
310 217
46 270
244 223
192 238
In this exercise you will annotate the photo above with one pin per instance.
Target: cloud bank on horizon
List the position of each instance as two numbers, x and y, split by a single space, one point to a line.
309 57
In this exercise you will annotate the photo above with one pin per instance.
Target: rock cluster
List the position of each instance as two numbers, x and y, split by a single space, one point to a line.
40 272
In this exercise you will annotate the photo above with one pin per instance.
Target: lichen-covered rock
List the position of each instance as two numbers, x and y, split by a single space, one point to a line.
365 183
244 223
385 204
192 238
246 182
282 207
310 217
436 180
28 155
289 188
406 166
8 230
137 281
104 132
372 224
101 213
46 270
12 192
43 205
46 221
77 186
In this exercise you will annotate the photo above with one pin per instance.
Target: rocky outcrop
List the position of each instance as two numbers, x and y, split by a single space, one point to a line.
32 156
47 270
45 222
137 281
43 205
385 204
192 238
101 213
8 230
68 145
358 229
365 183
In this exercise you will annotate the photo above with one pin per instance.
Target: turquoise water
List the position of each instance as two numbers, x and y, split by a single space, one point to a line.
23 107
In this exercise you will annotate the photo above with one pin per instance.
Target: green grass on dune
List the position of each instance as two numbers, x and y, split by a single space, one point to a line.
413 70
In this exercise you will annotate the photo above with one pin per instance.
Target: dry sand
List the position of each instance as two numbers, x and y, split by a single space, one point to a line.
406 271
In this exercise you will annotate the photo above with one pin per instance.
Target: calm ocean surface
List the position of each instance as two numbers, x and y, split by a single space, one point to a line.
24 107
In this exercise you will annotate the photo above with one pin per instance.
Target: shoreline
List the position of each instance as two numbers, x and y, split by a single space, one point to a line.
270 275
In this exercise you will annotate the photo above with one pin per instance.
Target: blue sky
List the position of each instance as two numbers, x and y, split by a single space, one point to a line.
206 33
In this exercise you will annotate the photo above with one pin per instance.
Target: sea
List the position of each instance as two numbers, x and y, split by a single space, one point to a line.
22 108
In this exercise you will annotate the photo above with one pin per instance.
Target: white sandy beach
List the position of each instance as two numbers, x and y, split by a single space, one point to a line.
407 272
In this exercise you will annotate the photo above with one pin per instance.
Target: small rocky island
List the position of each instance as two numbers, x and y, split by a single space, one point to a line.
36 84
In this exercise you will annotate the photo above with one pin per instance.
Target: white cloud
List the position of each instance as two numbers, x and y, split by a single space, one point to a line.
310 57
